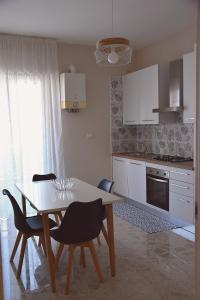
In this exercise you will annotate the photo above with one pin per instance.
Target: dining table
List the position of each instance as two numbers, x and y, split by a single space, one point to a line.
46 199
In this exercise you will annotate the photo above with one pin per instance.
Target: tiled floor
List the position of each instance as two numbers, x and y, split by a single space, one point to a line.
157 266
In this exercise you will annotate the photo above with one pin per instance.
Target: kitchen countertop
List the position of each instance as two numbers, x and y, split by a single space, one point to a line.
148 157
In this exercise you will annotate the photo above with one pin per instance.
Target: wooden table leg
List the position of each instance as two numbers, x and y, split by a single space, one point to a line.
50 256
110 228
24 205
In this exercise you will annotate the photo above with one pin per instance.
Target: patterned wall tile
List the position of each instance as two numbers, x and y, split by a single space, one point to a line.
172 139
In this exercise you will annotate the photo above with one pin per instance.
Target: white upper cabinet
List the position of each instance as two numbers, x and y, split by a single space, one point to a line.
131 98
140 96
148 95
189 87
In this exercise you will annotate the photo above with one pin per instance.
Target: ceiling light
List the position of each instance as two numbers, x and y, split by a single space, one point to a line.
114 51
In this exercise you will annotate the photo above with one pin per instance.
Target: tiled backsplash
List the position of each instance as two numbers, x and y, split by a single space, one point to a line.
173 139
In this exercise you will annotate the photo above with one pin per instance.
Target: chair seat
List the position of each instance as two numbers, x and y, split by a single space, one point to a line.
35 223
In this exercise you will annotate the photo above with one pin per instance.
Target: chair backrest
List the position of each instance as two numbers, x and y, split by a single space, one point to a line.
81 222
38 177
106 185
20 219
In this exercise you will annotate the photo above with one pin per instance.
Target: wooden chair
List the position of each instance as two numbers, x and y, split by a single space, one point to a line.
105 185
50 176
81 223
27 227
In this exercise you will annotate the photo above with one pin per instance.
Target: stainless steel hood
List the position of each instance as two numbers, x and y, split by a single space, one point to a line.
175 88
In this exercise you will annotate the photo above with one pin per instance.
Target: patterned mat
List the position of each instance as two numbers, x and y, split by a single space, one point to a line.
143 219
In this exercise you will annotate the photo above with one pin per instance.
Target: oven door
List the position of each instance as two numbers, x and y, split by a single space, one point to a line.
158 191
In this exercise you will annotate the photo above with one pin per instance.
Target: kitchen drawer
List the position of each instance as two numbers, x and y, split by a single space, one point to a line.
182 207
182 188
182 175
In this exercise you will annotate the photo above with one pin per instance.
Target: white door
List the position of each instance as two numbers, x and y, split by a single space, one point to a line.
137 181
131 98
189 87
149 95
120 176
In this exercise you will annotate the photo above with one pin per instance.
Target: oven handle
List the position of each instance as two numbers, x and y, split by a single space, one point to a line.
157 179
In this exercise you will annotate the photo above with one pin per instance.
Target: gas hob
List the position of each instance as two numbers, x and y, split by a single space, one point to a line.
171 158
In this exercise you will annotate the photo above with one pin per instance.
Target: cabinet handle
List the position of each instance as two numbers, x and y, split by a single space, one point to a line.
190 118
181 173
179 199
157 179
181 186
132 163
129 121
147 120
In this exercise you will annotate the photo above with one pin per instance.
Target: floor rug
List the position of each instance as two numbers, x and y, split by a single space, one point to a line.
141 218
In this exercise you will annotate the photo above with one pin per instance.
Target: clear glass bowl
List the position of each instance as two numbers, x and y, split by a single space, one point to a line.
63 184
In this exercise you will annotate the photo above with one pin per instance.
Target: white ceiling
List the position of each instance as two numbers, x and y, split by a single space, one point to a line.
85 21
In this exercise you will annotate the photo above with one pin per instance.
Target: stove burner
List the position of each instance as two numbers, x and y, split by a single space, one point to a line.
171 158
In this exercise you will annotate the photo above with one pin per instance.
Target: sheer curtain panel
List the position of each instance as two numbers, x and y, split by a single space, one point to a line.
30 114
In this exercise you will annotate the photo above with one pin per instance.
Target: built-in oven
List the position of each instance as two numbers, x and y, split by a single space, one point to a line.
157 187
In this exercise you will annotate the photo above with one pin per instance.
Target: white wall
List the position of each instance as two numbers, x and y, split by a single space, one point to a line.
88 159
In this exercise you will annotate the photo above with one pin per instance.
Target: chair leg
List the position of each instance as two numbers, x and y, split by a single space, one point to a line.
19 235
99 241
58 254
96 261
60 216
24 240
105 233
43 243
69 266
39 242
82 257
57 219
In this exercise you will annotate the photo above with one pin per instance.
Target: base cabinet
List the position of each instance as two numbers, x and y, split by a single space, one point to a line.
129 178
181 194
137 181
120 177
182 207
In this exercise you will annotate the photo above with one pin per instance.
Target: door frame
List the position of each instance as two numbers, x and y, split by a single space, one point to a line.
197 164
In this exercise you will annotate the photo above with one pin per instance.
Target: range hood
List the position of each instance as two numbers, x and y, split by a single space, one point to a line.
175 88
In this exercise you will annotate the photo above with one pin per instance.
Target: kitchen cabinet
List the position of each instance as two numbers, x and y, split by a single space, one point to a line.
131 98
140 96
137 180
189 87
120 176
181 194
148 95
129 178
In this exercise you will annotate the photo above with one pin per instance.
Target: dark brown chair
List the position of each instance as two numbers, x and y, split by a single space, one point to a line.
27 227
39 177
50 176
81 223
105 185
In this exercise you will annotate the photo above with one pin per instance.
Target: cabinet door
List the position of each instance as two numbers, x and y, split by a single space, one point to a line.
149 95
120 176
131 98
182 207
137 181
189 87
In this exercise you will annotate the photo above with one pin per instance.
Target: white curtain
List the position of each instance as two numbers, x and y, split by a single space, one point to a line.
30 114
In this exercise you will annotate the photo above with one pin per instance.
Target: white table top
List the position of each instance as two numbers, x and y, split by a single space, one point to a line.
46 198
